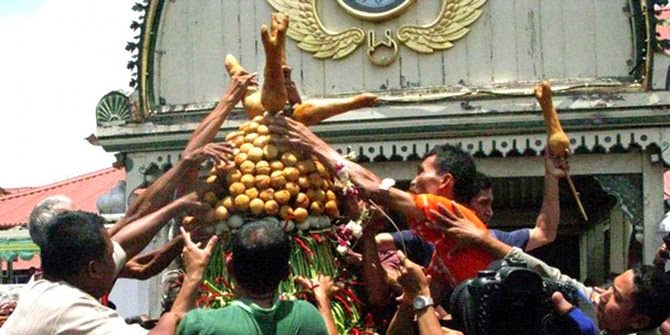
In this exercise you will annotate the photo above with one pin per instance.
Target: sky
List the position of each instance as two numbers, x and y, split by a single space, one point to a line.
58 58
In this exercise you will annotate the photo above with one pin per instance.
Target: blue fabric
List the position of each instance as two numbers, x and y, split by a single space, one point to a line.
421 252
418 250
580 323
515 238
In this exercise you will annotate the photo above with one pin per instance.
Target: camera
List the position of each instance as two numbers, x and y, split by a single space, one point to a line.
509 298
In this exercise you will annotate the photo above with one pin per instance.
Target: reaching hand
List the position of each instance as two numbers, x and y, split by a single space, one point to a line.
456 226
554 166
447 331
237 87
196 258
221 153
291 90
201 233
413 280
577 321
322 286
561 305
294 134
190 204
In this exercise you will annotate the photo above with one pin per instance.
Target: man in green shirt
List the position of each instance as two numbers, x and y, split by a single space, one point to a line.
259 263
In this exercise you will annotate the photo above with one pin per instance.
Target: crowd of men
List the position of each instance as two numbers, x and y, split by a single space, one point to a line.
81 260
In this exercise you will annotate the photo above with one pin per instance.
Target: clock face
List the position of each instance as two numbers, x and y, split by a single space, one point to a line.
375 10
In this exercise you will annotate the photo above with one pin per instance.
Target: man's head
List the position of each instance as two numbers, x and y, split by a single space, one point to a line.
447 171
482 202
43 212
639 299
77 249
260 257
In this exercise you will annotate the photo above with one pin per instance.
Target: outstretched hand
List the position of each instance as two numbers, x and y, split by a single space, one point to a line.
413 280
237 87
561 305
189 203
293 133
554 166
574 320
291 90
322 286
221 153
457 226
195 258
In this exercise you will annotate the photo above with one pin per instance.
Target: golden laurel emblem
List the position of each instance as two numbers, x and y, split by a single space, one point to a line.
451 24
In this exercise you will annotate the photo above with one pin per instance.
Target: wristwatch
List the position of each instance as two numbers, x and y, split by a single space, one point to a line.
421 302
386 184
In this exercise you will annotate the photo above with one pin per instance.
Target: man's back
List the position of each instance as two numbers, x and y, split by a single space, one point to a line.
51 308
245 317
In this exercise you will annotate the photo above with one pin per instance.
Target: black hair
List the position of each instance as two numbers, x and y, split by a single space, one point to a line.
482 182
453 160
72 240
260 257
652 294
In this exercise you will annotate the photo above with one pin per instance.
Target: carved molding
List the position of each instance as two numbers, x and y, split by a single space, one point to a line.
113 109
607 141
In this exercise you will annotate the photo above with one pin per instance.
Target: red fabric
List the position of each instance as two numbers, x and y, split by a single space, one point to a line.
452 267
84 190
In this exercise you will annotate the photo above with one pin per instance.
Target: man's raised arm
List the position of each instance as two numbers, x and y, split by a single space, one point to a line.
297 135
183 176
135 235
152 263
206 131
546 224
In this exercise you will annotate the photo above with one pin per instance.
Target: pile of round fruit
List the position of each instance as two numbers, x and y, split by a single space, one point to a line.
270 182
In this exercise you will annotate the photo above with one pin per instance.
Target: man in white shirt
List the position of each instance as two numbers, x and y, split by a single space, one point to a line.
80 263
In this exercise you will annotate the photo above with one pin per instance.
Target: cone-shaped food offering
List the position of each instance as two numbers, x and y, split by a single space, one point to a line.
273 94
266 180
558 142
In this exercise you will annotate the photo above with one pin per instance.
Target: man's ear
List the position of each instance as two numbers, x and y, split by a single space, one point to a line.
94 268
639 321
447 183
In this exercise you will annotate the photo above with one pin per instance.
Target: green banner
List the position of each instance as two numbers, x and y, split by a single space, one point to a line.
13 248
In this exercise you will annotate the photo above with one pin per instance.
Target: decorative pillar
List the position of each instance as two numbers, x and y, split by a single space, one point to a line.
652 195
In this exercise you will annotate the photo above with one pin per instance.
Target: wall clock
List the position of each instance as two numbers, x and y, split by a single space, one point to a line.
375 10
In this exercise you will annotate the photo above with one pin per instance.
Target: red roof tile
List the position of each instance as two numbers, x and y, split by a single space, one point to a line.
83 190
9 191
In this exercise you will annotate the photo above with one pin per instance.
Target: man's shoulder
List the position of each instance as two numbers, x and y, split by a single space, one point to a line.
56 293
206 314
515 238
306 317
198 319
303 306
45 302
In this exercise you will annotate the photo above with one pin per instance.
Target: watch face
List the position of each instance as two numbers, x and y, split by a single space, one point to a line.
375 10
421 302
